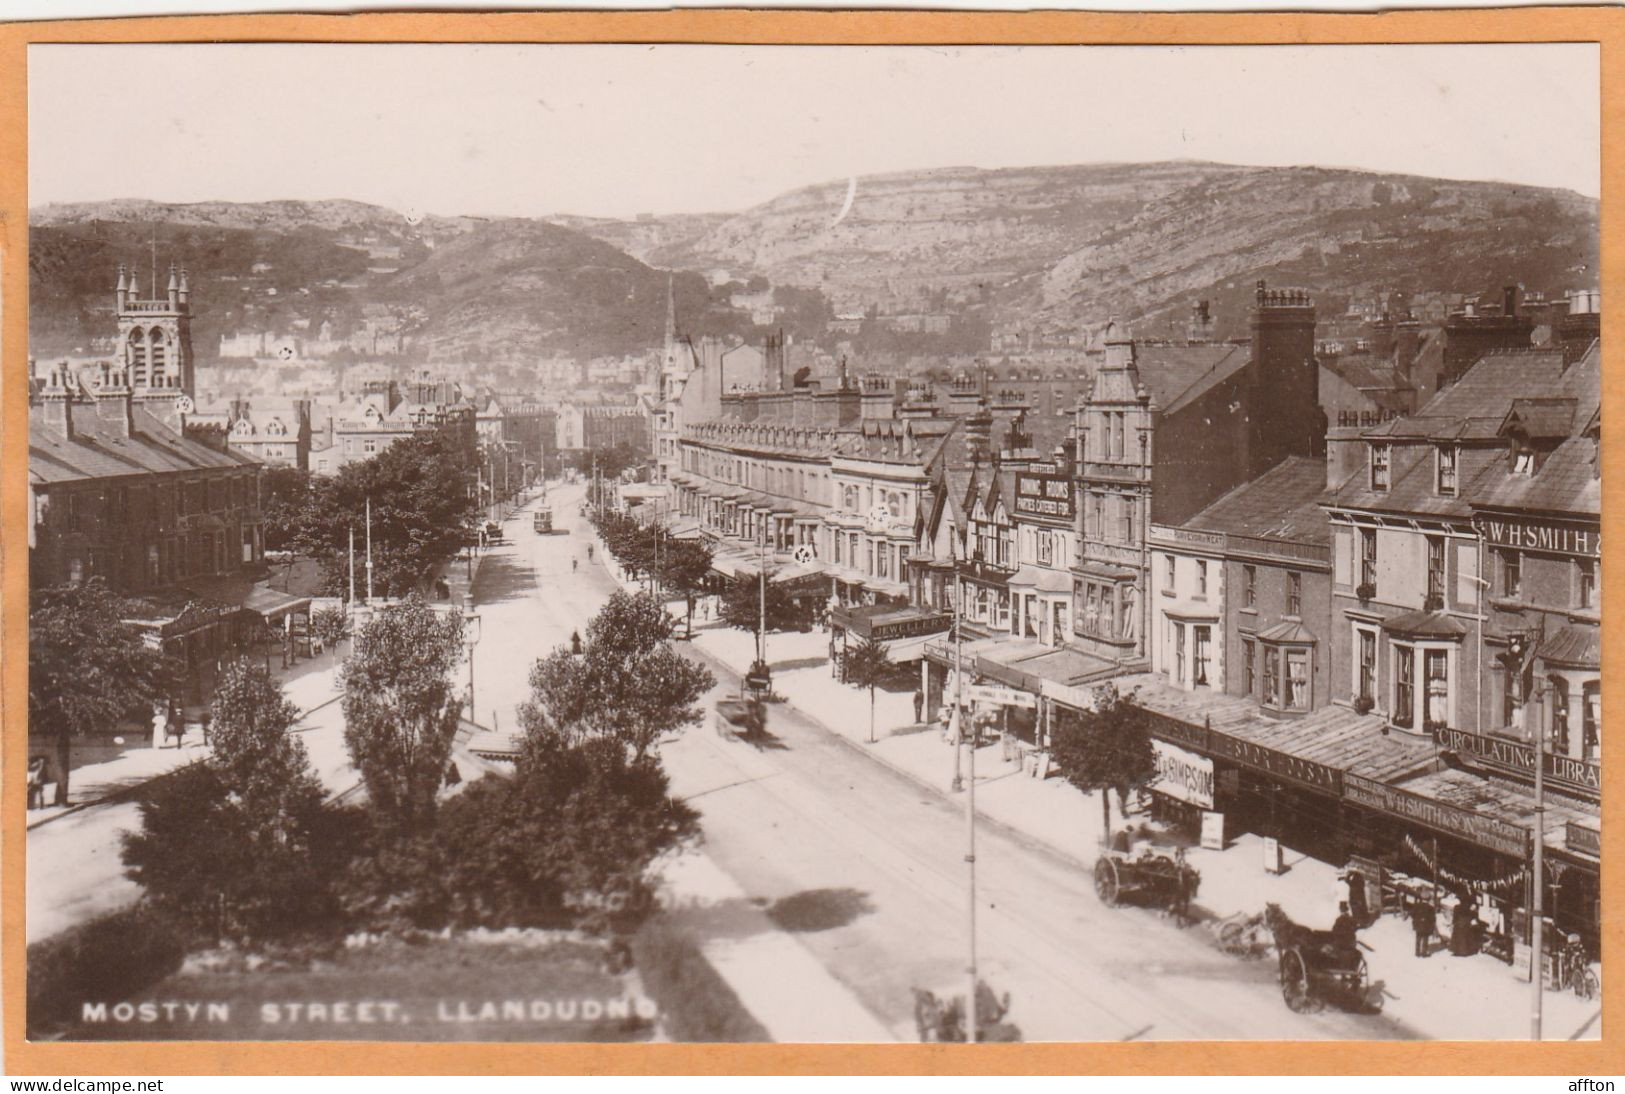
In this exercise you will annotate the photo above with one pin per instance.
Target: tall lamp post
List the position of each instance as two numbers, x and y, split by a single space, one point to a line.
471 637
1537 882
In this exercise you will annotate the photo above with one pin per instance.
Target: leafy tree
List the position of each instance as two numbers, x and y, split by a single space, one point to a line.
741 606
422 494
241 844
567 841
330 625
1107 748
401 709
685 569
286 496
867 666
88 670
628 684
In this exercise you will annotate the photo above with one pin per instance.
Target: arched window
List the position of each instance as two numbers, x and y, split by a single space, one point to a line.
136 357
158 359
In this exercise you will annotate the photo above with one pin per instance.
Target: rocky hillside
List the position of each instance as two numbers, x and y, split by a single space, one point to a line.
1070 245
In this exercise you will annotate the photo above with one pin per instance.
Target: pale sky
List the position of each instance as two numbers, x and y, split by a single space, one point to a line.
618 130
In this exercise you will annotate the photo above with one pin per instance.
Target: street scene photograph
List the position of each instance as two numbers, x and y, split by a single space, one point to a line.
696 543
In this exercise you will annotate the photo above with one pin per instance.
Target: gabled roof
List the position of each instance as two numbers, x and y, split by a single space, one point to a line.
97 451
1412 487
1540 419
1282 503
1176 375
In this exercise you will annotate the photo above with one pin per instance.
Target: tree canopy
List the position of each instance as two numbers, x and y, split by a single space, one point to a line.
401 709
89 670
1107 748
627 684
741 606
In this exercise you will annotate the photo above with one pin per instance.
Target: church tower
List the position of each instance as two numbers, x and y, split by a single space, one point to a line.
155 344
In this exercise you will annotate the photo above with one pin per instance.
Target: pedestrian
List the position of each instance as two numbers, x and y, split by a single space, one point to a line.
1344 929
36 782
1423 921
919 705
1359 907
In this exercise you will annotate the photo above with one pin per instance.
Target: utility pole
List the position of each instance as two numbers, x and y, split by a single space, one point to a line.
1537 881
369 550
761 626
352 571
970 877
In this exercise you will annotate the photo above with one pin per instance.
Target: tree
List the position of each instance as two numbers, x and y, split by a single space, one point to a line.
401 709
568 841
1107 748
241 844
421 490
286 496
742 600
866 665
627 684
685 569
88 670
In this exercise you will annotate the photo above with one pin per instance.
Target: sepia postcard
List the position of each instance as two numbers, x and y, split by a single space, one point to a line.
651 531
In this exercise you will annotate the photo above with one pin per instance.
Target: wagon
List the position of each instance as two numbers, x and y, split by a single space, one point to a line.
1150 876
1316 968
746 717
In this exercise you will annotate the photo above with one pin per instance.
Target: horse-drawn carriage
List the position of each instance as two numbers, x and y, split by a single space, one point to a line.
741 717
1149 876
1320 967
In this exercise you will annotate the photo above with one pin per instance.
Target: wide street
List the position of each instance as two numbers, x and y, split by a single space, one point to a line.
867 867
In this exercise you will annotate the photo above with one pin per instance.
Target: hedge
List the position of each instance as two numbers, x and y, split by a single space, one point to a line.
107 959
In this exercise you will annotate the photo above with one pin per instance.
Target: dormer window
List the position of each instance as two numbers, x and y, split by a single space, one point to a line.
1523 461
1380 454
1448 457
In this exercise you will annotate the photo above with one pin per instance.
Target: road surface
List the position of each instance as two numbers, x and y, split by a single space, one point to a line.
867 867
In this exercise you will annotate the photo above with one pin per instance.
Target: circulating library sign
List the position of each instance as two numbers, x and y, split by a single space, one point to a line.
1486 831
1518 757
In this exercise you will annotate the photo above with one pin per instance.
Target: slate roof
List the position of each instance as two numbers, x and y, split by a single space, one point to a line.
1412 484
1565 482
1177 375
96 451
1541 419
1283 503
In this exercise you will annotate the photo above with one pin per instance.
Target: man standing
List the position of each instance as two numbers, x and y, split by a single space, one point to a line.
1422 922
919 705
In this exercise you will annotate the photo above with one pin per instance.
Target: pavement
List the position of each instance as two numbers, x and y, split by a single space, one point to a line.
88 833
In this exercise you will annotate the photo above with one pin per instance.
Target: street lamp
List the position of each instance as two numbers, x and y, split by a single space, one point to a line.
471 637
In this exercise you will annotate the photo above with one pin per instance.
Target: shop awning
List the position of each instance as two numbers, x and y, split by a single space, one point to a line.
685 528
1573 646
1042 579
1006 663
798 570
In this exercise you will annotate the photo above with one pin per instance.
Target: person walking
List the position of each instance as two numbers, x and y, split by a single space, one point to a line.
36 782
1359 908
919 705
1344 930
1423 921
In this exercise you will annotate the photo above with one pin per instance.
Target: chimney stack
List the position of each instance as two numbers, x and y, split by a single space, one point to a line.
56 404
1283 412
113 401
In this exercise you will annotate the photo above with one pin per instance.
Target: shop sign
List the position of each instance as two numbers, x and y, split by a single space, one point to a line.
1182 775
1554 539
1272 855
1172 729
1213 831
1577 837
997 696
930 623
1518 757
1293 768
1044 496
1491 832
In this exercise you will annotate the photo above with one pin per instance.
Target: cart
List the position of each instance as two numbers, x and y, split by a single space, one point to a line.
1316 968
1149 876
741 717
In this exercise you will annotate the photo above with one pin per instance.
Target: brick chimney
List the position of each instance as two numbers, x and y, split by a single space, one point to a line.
1283 382
1469 335
113 402
56 404
1581 326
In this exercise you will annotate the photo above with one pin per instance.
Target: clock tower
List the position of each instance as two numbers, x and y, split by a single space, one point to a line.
155 345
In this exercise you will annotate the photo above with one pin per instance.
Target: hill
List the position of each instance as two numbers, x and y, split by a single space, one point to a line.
1071 245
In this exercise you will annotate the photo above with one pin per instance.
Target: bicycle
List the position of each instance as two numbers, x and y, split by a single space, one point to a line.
1574 970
